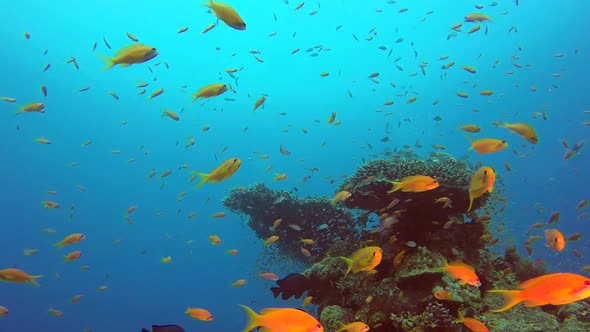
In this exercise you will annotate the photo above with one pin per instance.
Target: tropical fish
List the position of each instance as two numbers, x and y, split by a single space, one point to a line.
282 319
414 183
472 323
199 314
70 239
227 14
129 55
341 196
294 284
487 145
524 130
554 239
555 289
354 327
459 270
18 276
222 172
364 259
165 328
482 181
208 91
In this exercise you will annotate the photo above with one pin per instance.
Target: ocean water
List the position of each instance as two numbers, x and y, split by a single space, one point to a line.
126 257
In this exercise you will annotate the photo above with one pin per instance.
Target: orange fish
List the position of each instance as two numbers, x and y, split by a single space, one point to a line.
50 204
414 183
472 324
240 282
487 145
3 311
554 239
74 255
444 295
269 276
482 181
459 270
555 289
282 319
199 314
15 275
524 130
70 239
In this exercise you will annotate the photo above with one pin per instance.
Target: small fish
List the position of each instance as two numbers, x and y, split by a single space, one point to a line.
459 270
414 183
364 259
199 314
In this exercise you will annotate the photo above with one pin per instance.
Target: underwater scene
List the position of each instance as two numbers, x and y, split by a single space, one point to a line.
294 166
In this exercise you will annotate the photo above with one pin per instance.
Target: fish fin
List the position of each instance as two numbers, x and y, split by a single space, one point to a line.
460 318
396 186
253 318
124 64
204 179
144 330
34 280
109 61
276 291
511 298
461 283
349 263
470 201
532 303
128 48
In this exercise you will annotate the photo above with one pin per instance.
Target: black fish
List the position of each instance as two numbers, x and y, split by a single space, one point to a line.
165 328
292 285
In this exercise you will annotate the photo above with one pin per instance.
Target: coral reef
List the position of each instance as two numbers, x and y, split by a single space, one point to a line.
416 232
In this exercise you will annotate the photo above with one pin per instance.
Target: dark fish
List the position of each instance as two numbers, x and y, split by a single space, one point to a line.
165 328
294 284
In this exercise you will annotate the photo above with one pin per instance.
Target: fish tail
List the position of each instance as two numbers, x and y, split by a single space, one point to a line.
204 179
396 186
109 61
253 319
470 140
348 263
470 201
33 280
511 298
58 245
276 291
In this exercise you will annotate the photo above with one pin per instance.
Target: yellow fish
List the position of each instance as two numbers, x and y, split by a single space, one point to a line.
487 145
524 130
364 259
222 172
132 54
482 181
32 107
414 183
227 14
211 90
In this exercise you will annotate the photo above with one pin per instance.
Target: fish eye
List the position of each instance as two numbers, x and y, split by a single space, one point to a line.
319 326
503 142
153 48
485 172
587 283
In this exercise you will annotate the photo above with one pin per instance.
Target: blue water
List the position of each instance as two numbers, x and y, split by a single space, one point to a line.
142 291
